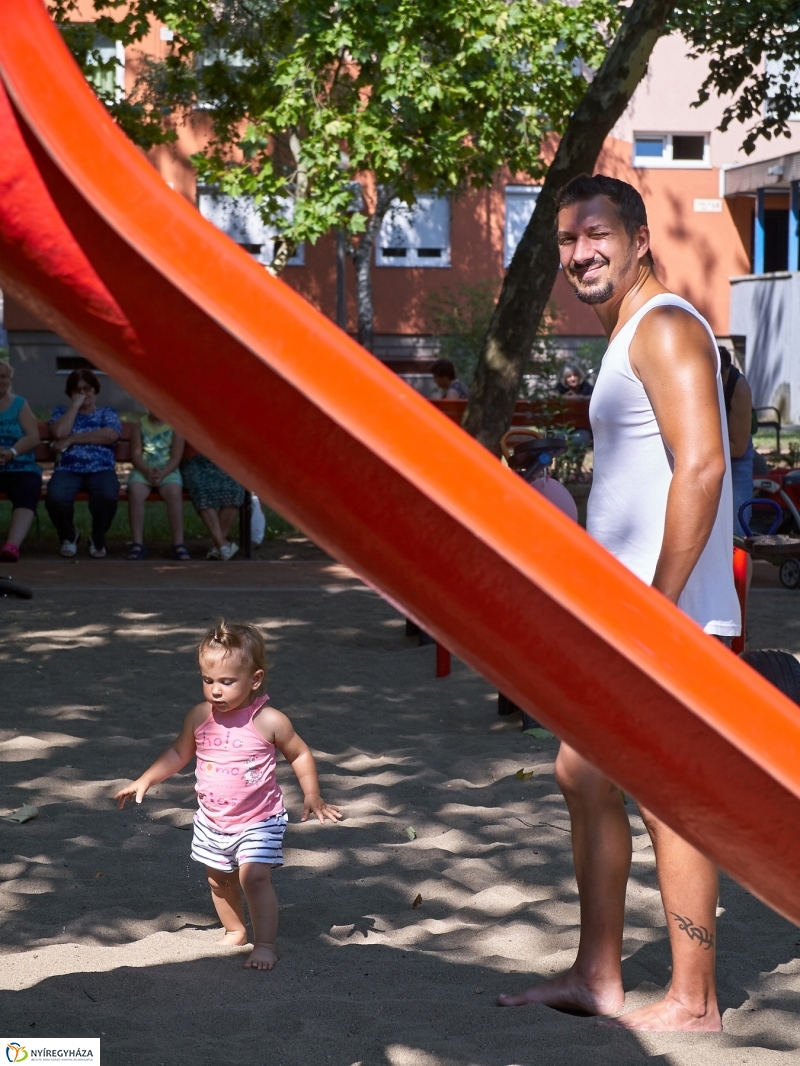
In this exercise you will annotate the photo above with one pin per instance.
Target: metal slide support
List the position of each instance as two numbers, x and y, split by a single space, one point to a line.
758 234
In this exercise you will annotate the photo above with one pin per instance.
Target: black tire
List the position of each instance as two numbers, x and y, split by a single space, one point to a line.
14 588
789 573
779 668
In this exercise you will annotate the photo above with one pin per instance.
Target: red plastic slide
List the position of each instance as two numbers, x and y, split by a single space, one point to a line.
95 243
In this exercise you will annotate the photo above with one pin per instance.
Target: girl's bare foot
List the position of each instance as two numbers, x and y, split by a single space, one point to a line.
233 938
571 992
668 1016
262 957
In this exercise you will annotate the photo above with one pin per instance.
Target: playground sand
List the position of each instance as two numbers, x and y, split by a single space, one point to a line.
106 925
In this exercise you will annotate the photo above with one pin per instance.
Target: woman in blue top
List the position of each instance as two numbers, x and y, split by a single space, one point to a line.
20 477
84 438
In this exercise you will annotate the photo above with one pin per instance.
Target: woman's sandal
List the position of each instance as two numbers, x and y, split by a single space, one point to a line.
181 552
136 552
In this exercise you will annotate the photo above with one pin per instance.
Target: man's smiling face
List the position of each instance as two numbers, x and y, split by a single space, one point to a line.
597 253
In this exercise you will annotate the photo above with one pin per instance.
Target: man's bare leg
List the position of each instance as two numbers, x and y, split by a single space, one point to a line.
601 847
689 885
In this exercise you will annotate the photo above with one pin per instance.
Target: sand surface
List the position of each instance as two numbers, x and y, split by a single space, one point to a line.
106 926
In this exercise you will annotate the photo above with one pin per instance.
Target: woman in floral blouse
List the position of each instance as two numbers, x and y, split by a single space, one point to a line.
84 438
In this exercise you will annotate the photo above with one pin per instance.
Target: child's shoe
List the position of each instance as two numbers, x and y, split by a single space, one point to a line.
9 553
227 551
96 553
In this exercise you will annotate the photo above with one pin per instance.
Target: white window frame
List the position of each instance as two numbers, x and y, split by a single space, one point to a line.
775 67
666 162
516 220
409 230
115 49
240 220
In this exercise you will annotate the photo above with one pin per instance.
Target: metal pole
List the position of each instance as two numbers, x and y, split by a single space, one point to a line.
794 226
758 236
341 282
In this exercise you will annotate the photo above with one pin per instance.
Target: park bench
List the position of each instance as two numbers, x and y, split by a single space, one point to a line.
122 454
570 411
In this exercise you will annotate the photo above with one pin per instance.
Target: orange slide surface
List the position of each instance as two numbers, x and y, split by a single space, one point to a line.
96 244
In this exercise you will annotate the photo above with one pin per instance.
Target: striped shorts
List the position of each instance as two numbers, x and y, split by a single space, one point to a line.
228 851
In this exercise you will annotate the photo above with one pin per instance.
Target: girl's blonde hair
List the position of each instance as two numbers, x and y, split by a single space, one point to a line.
240 637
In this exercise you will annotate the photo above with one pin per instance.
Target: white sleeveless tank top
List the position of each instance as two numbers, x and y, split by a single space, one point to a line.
632 475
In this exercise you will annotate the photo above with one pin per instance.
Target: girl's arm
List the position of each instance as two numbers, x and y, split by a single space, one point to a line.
739 422
175 455
298 754
169 762
137 456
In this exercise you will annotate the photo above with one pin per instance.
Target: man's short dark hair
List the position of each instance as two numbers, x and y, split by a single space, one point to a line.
627 200
81 376
443 368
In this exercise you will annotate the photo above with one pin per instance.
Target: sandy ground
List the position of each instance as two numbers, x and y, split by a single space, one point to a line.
106 925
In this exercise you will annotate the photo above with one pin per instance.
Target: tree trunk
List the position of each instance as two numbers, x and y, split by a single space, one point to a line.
523 298
361 254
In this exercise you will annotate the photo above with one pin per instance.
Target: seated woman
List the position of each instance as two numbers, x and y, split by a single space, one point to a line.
20 476
444 374
156 453
572 381
216 498
84 437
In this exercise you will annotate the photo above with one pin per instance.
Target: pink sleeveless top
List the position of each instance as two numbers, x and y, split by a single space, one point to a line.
236 785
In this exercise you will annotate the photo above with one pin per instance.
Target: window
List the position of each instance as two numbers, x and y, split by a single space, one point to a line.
239 218
777 72
109 58
665 150
520 202
65 364
417 236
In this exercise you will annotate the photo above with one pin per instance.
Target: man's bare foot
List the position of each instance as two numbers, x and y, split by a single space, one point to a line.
261 957
668 1016
233 938
570 992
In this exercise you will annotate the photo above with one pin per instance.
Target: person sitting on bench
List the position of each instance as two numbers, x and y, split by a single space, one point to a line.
156 453
84 438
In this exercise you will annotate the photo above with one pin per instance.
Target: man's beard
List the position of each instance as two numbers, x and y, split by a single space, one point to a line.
593 294
597 295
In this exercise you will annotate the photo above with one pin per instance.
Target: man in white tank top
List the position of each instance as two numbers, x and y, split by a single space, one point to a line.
661 503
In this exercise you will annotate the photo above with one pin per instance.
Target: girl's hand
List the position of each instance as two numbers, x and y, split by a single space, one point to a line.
315 804
136 790
154 476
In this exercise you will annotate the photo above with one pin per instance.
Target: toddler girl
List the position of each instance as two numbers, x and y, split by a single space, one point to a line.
238 830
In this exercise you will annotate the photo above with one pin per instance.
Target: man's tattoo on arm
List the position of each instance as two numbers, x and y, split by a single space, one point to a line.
694 932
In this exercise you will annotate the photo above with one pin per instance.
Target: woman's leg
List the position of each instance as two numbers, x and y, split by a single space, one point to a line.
256 880
103 489
137 494
60 502
21 518
226 895
227 516
172 495
211 522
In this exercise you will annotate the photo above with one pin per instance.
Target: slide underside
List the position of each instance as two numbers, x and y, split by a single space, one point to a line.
96 244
